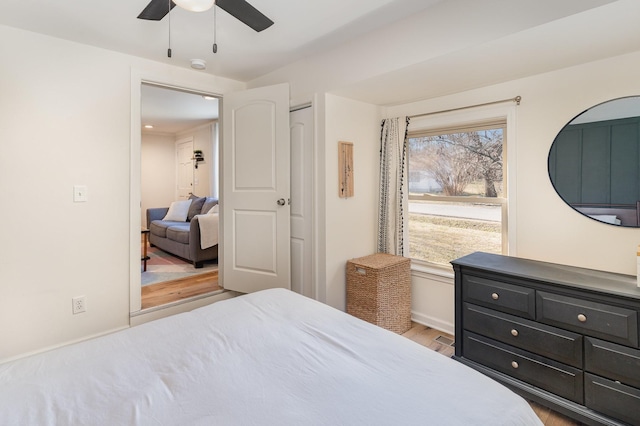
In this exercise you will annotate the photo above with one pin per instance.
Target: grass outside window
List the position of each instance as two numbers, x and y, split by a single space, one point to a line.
438 240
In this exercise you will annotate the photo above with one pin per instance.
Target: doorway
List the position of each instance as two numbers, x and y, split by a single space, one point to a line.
178 157
136 220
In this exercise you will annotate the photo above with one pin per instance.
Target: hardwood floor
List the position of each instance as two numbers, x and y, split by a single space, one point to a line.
427 337
171 291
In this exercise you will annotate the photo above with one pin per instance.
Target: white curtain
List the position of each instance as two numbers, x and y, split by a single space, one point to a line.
393 153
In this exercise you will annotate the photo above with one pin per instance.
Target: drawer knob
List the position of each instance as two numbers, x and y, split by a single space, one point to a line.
582 317
495 296
514 332
514 364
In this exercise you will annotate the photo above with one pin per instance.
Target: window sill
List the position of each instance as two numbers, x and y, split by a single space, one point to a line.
422 268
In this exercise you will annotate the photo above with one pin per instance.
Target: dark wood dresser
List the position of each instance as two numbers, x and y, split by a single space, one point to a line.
562 336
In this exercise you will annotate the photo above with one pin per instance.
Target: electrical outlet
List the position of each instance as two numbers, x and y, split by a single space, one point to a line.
79 304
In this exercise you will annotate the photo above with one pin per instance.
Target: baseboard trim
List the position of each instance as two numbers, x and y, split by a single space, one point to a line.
67 343
432 322
185 305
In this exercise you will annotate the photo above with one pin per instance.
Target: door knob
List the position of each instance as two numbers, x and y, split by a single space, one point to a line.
281 202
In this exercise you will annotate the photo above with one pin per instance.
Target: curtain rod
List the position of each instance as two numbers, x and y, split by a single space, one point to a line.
517 100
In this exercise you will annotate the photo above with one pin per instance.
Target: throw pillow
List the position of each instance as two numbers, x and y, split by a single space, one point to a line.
178 211
208 204
214 210
196 206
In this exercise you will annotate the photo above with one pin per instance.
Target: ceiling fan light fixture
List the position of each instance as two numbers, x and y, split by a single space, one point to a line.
195 5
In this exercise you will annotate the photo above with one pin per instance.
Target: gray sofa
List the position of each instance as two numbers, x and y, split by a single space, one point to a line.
182 238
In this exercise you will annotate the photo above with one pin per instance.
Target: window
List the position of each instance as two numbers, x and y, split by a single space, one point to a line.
457 192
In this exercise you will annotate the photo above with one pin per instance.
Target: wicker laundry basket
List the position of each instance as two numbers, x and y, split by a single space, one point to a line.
379 290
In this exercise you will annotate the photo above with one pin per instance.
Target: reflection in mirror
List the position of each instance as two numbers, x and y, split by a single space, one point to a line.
594 162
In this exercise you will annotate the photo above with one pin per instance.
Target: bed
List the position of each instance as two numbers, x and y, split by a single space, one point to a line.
614 214
268 358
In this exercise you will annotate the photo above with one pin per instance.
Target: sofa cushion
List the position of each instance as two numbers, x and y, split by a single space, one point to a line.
210 202
196 206
178 211
159 227
178 233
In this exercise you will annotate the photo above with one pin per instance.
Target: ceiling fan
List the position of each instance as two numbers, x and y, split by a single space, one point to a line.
240 9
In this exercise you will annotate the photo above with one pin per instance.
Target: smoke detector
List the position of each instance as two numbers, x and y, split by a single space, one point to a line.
198 64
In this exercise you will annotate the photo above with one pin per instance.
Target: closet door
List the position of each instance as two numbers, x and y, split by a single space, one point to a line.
301 122
255 195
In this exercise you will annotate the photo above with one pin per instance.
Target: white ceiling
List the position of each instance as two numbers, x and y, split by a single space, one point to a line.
452 44
493 41
172 111
301 27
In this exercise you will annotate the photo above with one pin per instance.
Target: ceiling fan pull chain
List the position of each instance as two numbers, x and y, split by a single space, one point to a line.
215 29
169 49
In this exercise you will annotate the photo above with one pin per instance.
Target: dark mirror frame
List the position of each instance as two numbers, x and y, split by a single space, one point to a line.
594 162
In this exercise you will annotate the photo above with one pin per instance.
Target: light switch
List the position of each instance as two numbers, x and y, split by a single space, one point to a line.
79 193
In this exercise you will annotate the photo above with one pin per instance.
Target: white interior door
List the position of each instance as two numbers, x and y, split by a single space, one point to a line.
184 155
301 124
255 190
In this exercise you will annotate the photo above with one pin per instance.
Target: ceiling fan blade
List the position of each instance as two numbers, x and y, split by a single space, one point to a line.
156 10
246 13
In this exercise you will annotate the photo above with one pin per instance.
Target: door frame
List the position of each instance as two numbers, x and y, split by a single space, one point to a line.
203 85
186 83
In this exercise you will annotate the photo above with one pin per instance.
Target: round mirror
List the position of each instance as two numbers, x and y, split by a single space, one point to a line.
594 162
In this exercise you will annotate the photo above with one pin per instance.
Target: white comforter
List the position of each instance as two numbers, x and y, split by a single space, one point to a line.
269 358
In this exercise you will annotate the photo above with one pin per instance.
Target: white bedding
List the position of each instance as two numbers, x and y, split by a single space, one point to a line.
268 358
608 218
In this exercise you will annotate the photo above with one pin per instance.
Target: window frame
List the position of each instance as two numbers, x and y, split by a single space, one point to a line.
466 120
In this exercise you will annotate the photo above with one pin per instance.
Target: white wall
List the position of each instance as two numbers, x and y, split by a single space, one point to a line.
66 115
158 172
350 223
67 107
546 228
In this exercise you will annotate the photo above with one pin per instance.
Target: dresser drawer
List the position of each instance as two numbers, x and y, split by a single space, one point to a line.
611 398
541 339
544 373
498 295
594 319
612 361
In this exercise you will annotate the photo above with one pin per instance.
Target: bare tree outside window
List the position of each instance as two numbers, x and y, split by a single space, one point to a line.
455 161
456 190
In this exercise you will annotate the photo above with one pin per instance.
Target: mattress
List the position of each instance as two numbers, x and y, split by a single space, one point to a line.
268 358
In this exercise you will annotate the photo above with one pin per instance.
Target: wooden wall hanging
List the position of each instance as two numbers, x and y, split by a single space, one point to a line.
345 169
